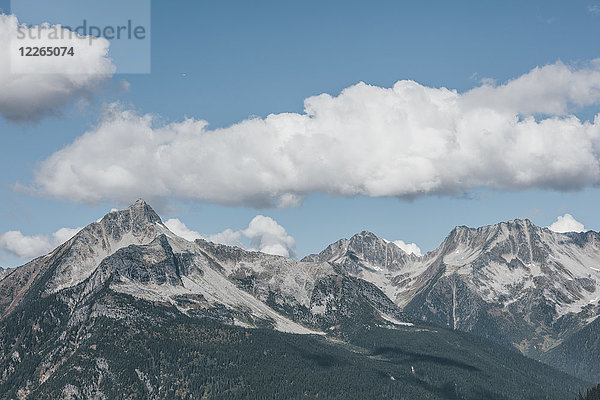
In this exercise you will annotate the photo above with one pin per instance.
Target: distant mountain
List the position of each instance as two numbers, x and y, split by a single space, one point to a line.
139 255
517 284
127 309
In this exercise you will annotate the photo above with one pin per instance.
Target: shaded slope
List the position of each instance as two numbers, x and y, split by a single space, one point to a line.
579 355
117 346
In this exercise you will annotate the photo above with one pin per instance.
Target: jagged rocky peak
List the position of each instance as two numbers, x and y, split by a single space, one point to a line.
138 224
518 238
366 237
363 250
371 246
517 283
134 218
153 263
133 225
515 227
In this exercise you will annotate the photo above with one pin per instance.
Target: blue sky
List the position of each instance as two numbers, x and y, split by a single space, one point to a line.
226 61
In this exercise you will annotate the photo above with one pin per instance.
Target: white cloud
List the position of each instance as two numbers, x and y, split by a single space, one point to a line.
228 237
64 234
263 233
28 247
594 9
405 141
409 248
566 223
24 246
181 230
35 87
268 236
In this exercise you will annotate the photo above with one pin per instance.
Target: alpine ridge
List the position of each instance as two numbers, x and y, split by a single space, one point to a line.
518 284
128 308
135 253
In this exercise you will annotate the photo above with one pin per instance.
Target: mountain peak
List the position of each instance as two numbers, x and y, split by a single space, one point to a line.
526 223
365 234
520 222
138 224
364 250
139 203
141 208
139 213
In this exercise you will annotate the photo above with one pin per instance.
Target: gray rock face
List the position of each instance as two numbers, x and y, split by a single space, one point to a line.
132 252
369 257
312 293
138 224
154 263
74 261
364 251
516 283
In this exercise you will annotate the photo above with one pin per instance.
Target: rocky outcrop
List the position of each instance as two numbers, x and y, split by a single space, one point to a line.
518 284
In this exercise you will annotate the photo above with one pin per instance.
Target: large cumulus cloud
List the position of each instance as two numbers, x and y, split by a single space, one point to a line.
405 141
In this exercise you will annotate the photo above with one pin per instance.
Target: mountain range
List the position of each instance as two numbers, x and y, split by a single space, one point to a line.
518 284
127 309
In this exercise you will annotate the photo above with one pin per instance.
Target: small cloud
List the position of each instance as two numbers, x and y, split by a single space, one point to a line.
28 247
125 85
24 246
409 248
228 237
63 234
485 81
181 230
44 88
264 234
269 237
547 20
566 223
594 9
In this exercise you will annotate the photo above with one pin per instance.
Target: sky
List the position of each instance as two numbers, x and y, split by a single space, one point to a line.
285 126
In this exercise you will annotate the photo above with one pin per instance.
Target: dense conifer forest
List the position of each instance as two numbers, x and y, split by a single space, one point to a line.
150 351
